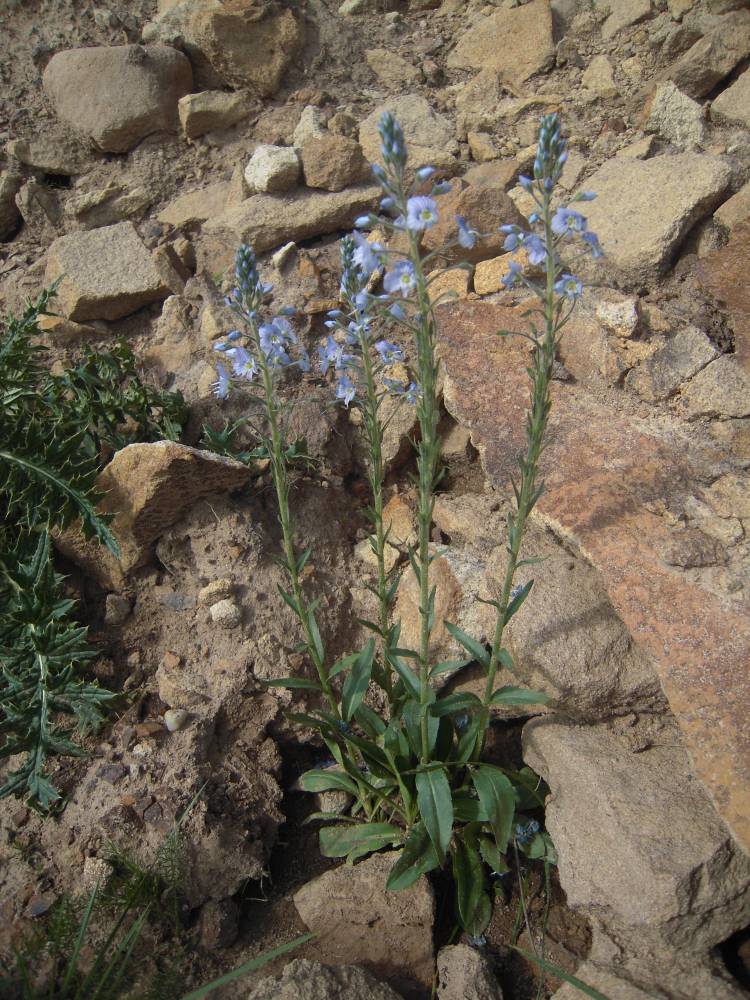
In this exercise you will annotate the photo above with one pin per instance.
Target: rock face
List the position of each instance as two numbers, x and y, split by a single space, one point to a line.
733 104
212 109
265 221
305 980
55 152
644 208
429 136
105 273
714 56
354 919
516 43
243 43
623 14
676 117
148 487
464 973
603 475
195 207
722 274
118 95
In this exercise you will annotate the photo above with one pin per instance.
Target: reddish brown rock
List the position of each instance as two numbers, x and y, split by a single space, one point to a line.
603 472
723 273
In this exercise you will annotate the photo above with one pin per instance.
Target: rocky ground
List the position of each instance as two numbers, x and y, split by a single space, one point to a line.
140 145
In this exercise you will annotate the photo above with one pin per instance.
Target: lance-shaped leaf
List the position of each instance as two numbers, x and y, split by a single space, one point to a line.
357 680
518 696
324 779
418 857
471 645
499 801
339 841
435 807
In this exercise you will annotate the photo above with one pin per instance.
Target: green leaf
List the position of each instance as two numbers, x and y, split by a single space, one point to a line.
288 599
302 562
370 721
294 682
462 701
469 878
566 977
467 809
417 858
477 650
447 665
518 600
407 675
315 633
338 841
357 681
498 797
324 779
518 696
343 664
435 807
492 857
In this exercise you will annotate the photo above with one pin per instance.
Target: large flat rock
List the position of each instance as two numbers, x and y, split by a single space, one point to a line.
104 273
644 208
430 137
607 477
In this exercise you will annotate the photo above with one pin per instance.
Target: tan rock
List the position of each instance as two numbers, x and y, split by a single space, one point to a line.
499 173
721 390
392 71
211 110
429 136
355 920
398 520
117 95
489 274
302 979
195 207
482 147
599 77
464 973
735 210
516 43
333 162
104 274
64 329
54 152
696 638
712 57
485 208
453 283
623 13
108 205
682 356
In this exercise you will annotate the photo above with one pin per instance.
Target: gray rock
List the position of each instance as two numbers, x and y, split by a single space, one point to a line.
225 613
311 125
644 208
676 117
713 57
105 274
211 110
721 390
599 78
106 206
306 980
683 356
219 923
195 207
623 13
10 217
429 136
117 95
464 973
273 169
54 152
116 609
355 919
733 105
393 72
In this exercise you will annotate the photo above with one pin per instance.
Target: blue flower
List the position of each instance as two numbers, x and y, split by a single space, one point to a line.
397 312
569 286
592 241
333 354
363 222
535 247
585 196
402 279
274 338
221 386
367 256
304 362
513 276
387 203
467 236
421 213
566 222
442 187
393 144
424 173
513 242
389 353
410 393
244 364
526 831
525 182
345 390
234 335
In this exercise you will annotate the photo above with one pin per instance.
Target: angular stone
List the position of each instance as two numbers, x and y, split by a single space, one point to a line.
644 208
306 980
500 173
311 125
117 95
721 390
723 274
54 152
429 136
392 71
676 117
482 147
107 206
604 507
599 78
272 169
211 110
733 104
484 208
195 207
148 487
453 283
623 14
333 162
10 217
464 973
355 919
532 48
265 221
104 274
683 356
489 274
735 210
241 42
713 57
658 858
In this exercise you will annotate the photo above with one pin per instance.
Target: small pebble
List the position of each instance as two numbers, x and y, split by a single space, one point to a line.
216 590
175 718
116 609
225 613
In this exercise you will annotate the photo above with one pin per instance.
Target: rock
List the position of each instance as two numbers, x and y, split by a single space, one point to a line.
196 207
217 590
693 635
117 95
489 274
306 980
713 57
464 973
720 390
482 147
532 49
175 719
116 609
485 208
639 150
733 104
618 313
689 548
599 78
107 206
500 173
644 208
266 221
390 69
676 117
429 136
453 283
658 864
212 110
55 152
722 274
615 987
333 162
683 356
105 273
10 217
273 169
96 874
364 552
41 209
623 14
148 487
219 924
735 210
311 125
354 919
225 613
242 44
